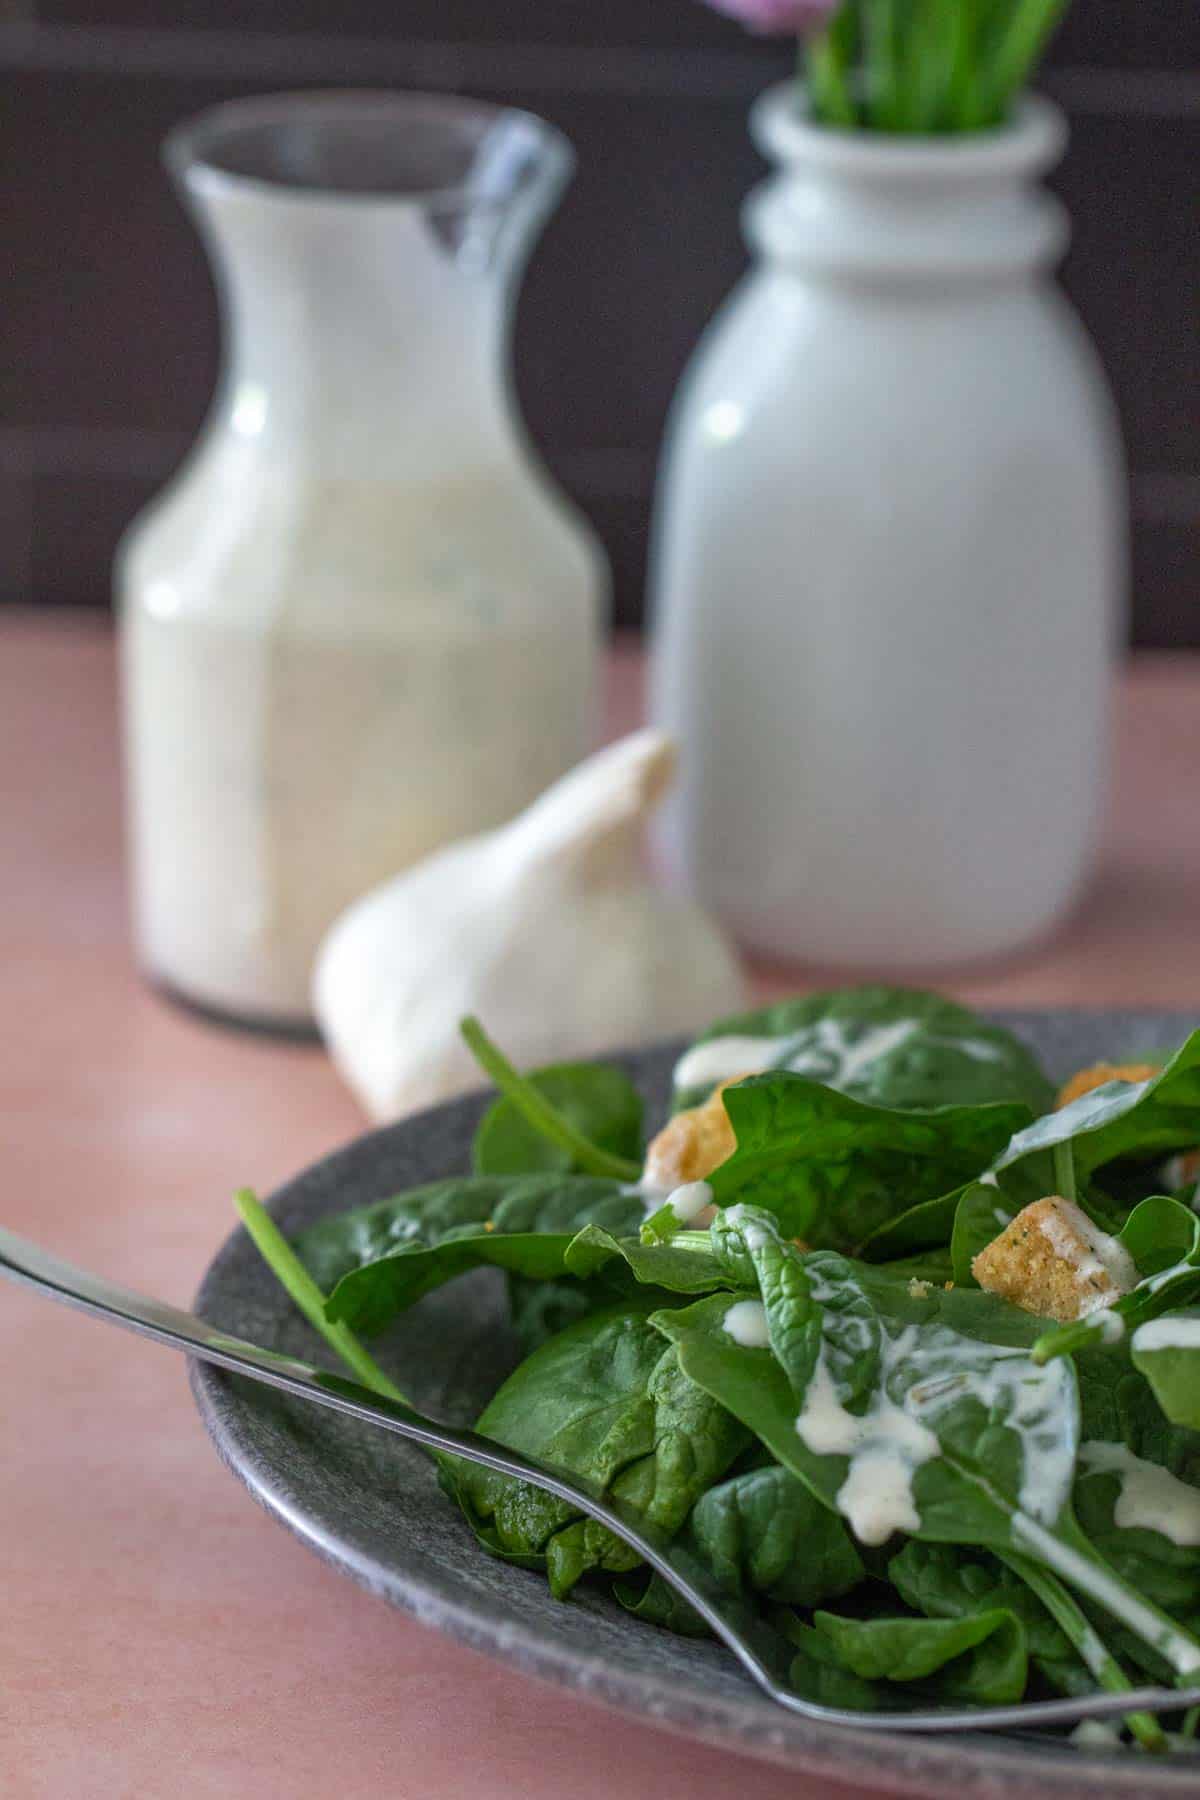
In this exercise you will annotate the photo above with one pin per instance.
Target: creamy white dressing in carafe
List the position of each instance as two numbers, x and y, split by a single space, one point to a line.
360 622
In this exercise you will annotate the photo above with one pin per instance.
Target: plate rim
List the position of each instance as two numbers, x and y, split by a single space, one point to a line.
900 1763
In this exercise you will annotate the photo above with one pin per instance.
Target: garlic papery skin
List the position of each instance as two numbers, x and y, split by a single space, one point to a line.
547 929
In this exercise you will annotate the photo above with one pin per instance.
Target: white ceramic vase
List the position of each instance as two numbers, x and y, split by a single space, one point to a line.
890 557
361 621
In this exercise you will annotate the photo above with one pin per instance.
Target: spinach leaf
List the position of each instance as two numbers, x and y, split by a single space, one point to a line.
761 1533
833 1169
607 1400
605 1268
1120 1119
1168 1355
1165 1572
764 1532
600 1102
686 1265
981 1659
368 1299
933 1265
657 1604
944 1582
542 1116
578 1402
818 1674
539 1310
421 1216
380 1258
926 1414
695 1442
980 1216
927 1225
896 1047
973 1214
1159 1234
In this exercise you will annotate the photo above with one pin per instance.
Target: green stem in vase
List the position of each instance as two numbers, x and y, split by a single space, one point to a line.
1027 33
827 58
881 65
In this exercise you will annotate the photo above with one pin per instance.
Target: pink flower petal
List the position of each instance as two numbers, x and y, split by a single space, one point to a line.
776 17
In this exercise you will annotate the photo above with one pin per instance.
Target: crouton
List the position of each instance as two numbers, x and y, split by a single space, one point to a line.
1084 1080
692 1144
1051 1260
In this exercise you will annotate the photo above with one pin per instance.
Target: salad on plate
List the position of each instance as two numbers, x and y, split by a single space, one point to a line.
898 1334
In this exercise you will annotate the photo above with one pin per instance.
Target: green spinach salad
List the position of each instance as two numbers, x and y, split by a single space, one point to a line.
903 1342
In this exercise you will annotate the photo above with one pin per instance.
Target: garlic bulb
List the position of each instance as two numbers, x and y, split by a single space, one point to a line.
547 929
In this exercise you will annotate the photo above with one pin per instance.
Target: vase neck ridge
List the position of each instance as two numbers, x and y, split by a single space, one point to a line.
867 207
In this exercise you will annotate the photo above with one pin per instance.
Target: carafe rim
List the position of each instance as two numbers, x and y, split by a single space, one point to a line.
192 149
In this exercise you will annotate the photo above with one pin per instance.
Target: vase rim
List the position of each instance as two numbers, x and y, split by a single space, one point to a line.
349 145
1032 140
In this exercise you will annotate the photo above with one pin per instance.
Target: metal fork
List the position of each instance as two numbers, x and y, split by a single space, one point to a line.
759 1651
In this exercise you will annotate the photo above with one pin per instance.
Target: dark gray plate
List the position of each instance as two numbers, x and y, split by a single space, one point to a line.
369 1504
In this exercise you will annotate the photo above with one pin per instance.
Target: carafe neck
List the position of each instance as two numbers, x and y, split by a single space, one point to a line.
356 336
366 249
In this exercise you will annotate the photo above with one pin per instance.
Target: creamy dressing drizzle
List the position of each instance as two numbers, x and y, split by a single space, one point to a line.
1093 1254
1122 1602
746 1323
1176 1332
829 1042
725 1058
825 1042
1096 1734
650 1195
1150 1497
891 1440
754 1235
826 1052
689 1201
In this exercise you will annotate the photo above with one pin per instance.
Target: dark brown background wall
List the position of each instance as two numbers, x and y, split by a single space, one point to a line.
107 319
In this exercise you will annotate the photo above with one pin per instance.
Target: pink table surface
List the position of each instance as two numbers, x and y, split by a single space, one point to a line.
161 1636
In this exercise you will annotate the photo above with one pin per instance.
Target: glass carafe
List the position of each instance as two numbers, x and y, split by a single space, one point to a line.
361 620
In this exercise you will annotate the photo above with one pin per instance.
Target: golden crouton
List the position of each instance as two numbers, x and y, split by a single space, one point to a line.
692 1144
1051 1260
1084 1080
